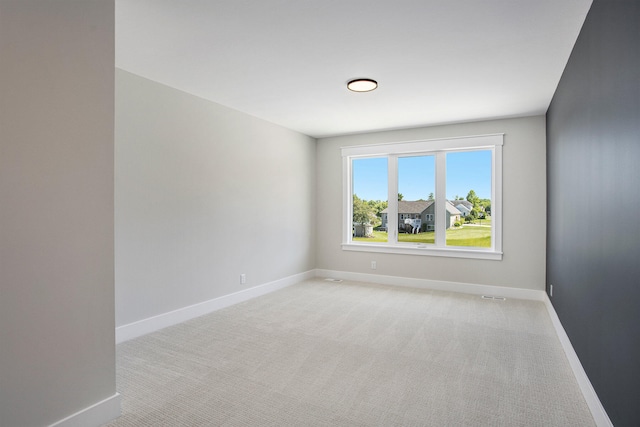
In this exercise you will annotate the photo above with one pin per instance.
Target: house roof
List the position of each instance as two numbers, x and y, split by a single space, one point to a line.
452 209
411 207
465 203
419 206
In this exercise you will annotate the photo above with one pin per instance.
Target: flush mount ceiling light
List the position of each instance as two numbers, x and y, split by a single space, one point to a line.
362 85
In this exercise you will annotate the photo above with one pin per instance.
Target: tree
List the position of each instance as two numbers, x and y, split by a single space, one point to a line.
486 205
400 196
430 196
378 206
477 209
362 212
475 213
473 198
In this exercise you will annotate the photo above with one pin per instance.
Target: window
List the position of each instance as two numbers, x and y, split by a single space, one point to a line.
470 170
369 176
436 197
416 186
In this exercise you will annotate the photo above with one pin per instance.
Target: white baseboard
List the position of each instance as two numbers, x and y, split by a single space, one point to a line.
95 415
436 285
595 406
155 323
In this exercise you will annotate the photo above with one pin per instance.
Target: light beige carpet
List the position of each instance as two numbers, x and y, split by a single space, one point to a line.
353 354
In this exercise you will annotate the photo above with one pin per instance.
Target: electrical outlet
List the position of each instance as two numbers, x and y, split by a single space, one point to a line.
374 265
550 290
243 279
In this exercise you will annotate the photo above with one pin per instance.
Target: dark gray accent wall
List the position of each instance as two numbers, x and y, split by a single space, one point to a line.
593 237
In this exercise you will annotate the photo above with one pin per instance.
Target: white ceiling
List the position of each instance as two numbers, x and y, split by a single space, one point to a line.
288 61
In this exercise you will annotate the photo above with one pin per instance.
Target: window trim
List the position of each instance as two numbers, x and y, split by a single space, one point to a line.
439 148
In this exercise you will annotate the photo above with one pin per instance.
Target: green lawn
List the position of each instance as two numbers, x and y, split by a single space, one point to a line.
485 221
464 236
470 236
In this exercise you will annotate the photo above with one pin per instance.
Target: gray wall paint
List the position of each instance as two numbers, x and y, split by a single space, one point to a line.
524 204
203 194
594 199
57 351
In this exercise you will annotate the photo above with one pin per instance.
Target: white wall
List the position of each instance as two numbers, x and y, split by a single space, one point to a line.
203 194
524 207
57 351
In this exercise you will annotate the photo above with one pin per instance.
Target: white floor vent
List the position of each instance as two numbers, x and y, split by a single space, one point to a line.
493 298
333 280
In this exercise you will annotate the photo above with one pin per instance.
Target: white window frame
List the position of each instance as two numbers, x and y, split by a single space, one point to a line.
439 148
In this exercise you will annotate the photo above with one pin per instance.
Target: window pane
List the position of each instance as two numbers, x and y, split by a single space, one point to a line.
370 190
469 198
416 199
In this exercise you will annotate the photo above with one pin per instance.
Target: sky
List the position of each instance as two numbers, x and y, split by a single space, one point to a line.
466 170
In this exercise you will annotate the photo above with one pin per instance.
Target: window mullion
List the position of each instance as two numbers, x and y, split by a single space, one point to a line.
441 199
496 198
347 199
392 219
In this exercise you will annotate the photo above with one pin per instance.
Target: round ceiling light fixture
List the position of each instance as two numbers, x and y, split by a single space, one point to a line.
362 85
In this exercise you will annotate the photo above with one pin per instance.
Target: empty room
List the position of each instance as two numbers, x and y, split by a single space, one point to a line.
239 213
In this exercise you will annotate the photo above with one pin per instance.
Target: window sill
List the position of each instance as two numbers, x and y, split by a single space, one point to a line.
450 252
